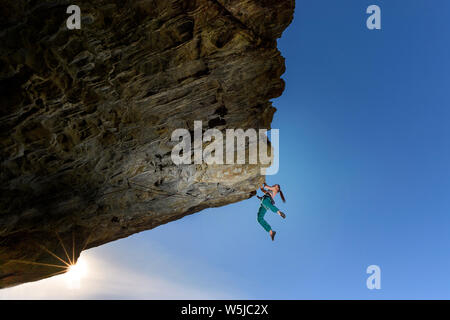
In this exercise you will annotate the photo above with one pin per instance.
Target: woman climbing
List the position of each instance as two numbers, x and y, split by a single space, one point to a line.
268 203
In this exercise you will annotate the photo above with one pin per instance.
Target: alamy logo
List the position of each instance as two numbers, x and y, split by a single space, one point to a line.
74 21
374 20
241 147
374 281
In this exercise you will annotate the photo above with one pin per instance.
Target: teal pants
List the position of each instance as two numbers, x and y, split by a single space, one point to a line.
266 204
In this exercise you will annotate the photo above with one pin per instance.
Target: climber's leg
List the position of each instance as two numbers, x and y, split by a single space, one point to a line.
268 204
262 211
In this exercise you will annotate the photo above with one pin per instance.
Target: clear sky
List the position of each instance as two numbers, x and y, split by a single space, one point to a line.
364 164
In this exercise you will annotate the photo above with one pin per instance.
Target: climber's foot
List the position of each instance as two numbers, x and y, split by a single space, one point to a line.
282 215
272 234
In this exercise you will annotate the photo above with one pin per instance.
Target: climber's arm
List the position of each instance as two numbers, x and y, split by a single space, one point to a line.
263 188
271 188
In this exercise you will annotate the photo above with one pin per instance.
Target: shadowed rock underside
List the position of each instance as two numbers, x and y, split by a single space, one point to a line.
87 115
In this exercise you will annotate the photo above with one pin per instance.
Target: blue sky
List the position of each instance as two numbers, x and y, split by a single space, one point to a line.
364 163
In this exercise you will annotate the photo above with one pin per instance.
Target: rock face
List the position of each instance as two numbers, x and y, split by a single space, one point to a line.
87 115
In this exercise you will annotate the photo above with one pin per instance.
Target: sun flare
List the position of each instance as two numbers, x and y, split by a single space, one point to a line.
76 272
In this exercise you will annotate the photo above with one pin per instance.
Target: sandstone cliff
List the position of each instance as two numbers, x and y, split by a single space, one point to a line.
86 117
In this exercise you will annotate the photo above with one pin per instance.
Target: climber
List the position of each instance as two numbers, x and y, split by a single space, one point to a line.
268 203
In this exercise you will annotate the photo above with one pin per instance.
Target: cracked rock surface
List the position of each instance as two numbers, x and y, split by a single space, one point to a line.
86 117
